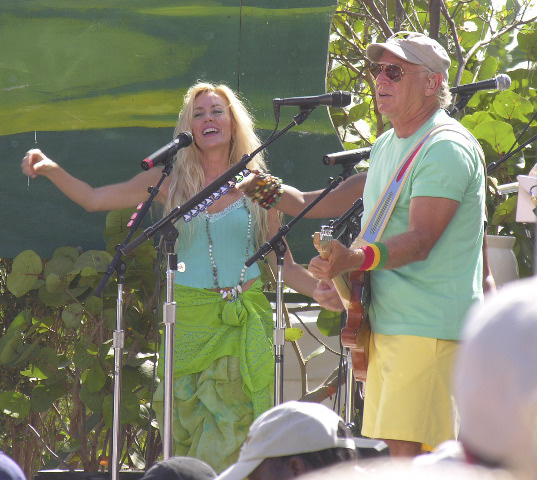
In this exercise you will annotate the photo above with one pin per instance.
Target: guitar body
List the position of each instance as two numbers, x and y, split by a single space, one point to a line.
352 290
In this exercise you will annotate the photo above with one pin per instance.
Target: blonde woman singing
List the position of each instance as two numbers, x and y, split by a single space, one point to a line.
223 365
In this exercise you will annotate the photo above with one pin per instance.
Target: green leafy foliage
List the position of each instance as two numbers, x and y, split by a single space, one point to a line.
59 358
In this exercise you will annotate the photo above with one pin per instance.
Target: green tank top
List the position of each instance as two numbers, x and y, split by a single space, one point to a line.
228 230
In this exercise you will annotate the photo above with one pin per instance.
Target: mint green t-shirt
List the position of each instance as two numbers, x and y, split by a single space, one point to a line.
430 298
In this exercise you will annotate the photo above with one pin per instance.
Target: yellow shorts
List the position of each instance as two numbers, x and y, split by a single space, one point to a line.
408 394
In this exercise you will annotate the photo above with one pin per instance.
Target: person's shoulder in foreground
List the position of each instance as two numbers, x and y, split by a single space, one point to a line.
180 468
9 469
292 431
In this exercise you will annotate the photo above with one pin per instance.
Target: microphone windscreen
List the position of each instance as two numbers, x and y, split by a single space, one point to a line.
503 81
341 98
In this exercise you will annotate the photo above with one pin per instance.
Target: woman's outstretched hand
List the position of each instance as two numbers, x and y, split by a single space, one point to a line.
35 163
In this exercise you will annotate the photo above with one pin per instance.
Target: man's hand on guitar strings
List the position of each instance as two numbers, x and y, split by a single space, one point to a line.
327 296
340 260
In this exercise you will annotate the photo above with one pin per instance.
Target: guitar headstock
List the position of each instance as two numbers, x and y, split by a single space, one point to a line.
322 239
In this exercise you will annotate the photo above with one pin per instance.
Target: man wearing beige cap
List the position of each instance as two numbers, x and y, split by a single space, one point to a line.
425 265
430 250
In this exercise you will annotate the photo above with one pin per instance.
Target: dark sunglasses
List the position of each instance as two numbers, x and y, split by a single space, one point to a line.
393 72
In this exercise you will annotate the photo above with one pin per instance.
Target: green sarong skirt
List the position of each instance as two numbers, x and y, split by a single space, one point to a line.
223 371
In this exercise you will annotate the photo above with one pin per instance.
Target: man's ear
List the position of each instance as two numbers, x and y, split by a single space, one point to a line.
434 82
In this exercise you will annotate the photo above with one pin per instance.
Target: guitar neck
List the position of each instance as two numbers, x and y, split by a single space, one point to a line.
321 240
342 284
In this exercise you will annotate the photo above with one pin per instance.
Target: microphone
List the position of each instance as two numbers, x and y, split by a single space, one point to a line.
335 99
347 157
501 82
182 140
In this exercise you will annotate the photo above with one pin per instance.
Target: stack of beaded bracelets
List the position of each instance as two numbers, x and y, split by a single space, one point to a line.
267 190
376 255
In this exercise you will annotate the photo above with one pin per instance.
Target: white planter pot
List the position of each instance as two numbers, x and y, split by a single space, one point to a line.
502 259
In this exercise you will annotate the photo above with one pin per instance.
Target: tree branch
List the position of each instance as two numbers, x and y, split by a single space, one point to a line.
434 17
47 448
458 48
386 30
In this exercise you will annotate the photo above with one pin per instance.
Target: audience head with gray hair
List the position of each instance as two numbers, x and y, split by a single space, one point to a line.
496 380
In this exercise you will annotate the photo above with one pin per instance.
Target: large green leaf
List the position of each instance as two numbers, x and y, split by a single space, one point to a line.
94 378
329 323
12 341
94 305
44 365
59 265
488 68
96 259
527 42
511 105
130 408
69 252
92 400
24 273
53 283
471 121
14 404
81 357
43 396
27 352
505 212
499 135
72 315
57 298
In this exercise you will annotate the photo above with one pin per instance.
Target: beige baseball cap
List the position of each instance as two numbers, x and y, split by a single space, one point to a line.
290 428
414 48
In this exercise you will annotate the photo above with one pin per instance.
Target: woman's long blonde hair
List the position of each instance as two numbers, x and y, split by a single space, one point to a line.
187 176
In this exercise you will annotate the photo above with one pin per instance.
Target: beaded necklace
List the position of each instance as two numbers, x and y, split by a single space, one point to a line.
229 293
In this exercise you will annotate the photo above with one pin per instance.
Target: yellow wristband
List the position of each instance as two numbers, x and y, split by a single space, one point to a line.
376 260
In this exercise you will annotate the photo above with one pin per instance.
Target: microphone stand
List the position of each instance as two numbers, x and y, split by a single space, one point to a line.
494 165
188 210
279 246
464 98
119 266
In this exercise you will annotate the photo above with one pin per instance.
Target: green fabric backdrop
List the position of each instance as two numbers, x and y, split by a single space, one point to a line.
99 83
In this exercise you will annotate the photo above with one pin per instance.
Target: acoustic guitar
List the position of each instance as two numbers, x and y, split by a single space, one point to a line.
353 290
